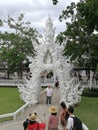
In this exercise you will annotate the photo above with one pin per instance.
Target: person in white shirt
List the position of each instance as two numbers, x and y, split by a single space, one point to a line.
49 94
70 122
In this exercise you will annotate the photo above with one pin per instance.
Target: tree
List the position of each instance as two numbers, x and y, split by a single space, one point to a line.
81 41
88 10
20 44
80 46
1 23
85 12
55 2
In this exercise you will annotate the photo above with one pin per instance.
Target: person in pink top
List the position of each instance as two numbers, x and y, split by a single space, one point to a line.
63 113
53 119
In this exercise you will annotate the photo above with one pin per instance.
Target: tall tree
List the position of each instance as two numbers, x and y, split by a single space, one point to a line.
81 41
20 44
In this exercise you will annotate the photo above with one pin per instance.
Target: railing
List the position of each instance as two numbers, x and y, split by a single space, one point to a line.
7 82
21 109
47 81
15 82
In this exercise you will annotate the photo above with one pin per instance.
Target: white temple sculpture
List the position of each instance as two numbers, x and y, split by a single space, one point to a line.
49 57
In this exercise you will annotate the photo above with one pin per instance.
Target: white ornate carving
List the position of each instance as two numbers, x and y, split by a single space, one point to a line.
49 57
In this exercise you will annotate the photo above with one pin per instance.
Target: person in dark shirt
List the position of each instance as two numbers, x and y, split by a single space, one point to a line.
25 123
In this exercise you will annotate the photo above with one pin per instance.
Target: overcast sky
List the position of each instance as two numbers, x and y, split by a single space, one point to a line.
36 12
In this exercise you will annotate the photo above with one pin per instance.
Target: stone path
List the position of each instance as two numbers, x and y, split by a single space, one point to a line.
41 109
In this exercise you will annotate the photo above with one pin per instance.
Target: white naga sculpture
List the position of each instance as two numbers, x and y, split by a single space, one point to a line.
49 57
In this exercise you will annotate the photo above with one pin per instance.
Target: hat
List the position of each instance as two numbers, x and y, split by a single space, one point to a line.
32 117
53 109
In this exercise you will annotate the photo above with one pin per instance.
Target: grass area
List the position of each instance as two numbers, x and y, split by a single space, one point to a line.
87 110
9 100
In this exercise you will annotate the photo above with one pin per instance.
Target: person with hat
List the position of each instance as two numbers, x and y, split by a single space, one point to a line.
33 124
53 119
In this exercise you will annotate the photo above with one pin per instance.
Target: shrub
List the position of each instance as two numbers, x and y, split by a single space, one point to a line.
90 93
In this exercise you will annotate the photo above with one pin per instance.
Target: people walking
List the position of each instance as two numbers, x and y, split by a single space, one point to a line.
49 94
53 119
71 121
63 113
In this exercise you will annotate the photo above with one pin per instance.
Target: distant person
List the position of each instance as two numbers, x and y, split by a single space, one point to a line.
79 76
56 83
53 119
33 124
49 94
70 123
63 113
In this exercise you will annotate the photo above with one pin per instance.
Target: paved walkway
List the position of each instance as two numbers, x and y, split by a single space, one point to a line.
41 109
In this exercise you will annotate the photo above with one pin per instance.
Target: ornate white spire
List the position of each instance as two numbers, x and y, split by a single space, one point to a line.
49 22
49 30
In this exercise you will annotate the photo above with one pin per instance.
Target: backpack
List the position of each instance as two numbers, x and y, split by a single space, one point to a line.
77 124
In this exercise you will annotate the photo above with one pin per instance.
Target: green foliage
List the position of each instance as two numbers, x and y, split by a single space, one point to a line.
22 38
43 87
88 10
55 2
97 68
81 41
1 23
90 93
69 12
13 53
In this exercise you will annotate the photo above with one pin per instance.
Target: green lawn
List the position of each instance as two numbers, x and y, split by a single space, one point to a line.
87 111
9 100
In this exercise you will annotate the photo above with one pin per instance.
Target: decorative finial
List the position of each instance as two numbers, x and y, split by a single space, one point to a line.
49 31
